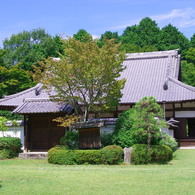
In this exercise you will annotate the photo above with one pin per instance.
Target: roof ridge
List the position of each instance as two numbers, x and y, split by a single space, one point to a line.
21 93
157 54
36 99
191 88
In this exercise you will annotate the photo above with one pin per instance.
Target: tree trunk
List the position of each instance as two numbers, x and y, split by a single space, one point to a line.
149 141
86 117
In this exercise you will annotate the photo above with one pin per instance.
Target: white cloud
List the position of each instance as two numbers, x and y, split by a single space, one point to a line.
179 17
95 36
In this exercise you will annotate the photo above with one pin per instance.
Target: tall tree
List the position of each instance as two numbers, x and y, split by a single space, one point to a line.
83 36
148 117
192 41
86 74
14 80
107 36
141 37
188 67
148 32
171 38
28 47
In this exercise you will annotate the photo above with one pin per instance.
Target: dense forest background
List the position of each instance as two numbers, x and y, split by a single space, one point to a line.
21 52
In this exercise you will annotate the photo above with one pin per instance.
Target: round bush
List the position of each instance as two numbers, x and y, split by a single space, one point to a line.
4 154
61 157
161 154
88 156
140 154
112 155
157 154
13 144
169 141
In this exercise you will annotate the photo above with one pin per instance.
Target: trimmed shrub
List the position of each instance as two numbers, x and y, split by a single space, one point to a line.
108 155
140 155
161 154
13 144
156 154
61 157
169 141
112 155
58 155
88 156
4 154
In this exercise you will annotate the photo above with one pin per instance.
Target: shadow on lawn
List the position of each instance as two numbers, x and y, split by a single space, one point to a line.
0 184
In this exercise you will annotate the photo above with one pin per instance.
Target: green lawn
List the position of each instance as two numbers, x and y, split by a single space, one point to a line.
19 177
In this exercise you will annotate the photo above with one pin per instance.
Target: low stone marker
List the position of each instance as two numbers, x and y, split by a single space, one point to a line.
127 155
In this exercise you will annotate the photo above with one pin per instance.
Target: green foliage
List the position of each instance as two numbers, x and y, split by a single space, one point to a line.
29 47
157 154
83 36
14 80
61 156
88 157
10 116
169 141
4 154
148 117
112 155
85 77
70 140
171 38
192 41
108 155
188 73
140 124
142 37
123 134
140 154
106 139
13 144
107 36
161 154
3 126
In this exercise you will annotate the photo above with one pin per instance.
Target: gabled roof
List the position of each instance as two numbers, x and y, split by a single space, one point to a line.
147 74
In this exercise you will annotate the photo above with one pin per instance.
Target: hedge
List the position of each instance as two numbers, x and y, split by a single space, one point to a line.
10 147
157 154
108 155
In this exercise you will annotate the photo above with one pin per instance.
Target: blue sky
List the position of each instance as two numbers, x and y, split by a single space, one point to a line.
66 17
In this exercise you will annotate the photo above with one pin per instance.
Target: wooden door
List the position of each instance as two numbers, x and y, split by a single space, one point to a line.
44 133
89 138
191 127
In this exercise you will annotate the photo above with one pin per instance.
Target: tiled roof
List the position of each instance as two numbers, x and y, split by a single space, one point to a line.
42 105
147 74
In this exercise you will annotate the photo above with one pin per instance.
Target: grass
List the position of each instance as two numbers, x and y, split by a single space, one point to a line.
19 177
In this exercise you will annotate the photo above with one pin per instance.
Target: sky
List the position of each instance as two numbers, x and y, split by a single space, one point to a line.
66 17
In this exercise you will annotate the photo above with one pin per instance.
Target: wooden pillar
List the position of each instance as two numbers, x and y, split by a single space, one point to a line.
25 134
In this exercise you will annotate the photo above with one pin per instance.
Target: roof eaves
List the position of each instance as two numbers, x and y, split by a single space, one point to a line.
182 84
21 93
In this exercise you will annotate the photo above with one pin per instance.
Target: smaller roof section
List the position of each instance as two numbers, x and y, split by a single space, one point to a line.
42 105
18 99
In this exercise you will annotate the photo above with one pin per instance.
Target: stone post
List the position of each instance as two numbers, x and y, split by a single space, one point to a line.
127 155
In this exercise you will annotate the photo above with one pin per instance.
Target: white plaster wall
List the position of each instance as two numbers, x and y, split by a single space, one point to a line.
168 131
107 129
185 114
